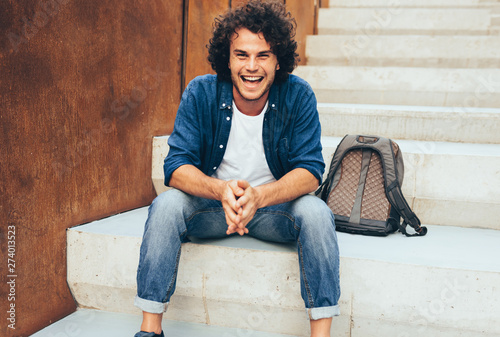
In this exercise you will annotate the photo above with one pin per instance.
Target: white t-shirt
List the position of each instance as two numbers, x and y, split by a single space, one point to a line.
244 157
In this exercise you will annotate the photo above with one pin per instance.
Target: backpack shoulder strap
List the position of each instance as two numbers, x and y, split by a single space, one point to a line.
398 201
393 191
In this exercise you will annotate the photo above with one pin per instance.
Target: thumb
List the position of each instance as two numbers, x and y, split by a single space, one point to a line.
236 188
243 184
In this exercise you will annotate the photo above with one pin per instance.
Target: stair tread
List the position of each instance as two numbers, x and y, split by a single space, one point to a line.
91 323
443 247
412 108
417 146
392 19
404 72
465 48
401 78
412 123
413 3
449 148
453 87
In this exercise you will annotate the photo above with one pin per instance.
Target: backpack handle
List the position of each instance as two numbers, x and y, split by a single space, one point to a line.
367 139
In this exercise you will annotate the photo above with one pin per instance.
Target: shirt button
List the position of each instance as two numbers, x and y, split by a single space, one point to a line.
272 105
223 104
221 146
229 107
228 118
215 168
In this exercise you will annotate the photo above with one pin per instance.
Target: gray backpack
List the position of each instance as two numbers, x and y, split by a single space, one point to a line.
363 188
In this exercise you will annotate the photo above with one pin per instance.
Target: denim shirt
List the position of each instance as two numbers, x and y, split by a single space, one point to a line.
291 131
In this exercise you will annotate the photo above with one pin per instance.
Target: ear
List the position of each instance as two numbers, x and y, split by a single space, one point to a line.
278 66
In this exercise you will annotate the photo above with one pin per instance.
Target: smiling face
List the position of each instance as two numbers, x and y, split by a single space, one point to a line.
253 66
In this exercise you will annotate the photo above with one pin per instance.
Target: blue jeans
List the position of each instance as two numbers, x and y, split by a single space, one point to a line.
173 215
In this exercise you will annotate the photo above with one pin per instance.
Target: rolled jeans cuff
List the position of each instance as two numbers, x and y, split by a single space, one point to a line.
323 312
150 306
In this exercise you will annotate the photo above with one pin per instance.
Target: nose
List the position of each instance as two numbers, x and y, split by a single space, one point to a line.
252 64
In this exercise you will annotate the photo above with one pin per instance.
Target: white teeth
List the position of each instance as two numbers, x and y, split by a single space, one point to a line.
253 78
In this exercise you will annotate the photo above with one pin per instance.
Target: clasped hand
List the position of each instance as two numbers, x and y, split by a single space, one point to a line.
240 201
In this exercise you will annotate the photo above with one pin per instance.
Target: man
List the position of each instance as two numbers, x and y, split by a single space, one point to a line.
244 154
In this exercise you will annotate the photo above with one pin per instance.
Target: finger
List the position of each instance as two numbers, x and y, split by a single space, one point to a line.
246 213
242 201
236 189
247 209
231 216
243 225
232 219
230 202
231 229
240 230
234 228
246 216
243 184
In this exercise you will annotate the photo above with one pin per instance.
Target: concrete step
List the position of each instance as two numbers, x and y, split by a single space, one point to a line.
98 323
457 87
448 184
414 3
396 20
442 284
441 124
404 51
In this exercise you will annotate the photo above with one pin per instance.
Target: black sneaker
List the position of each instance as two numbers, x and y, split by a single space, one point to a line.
148 334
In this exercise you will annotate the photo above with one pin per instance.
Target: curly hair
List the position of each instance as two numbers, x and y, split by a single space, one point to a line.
269 18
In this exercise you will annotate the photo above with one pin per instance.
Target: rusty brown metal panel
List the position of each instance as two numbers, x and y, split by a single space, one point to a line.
84 86
200 17
304 13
